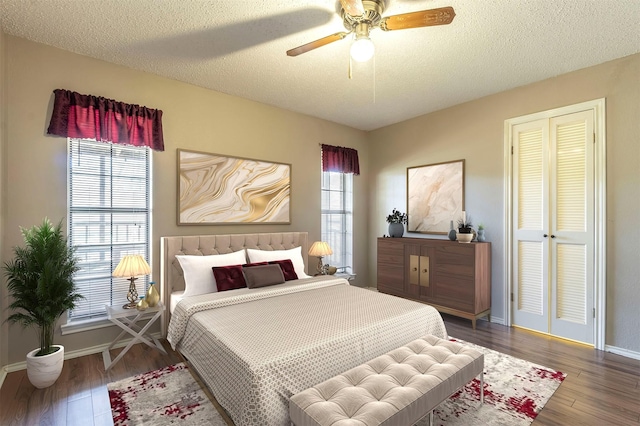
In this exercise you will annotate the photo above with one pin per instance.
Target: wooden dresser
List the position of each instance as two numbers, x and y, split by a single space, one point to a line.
454 278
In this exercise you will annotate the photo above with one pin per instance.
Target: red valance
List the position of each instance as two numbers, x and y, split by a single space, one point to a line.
92 117
340 159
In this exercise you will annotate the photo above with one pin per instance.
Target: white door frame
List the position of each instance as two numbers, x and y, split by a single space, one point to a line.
600 264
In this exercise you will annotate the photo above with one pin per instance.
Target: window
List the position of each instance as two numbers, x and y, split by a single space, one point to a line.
109 216
337 218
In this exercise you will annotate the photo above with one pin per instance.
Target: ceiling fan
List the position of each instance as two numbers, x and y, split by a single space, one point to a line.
361 16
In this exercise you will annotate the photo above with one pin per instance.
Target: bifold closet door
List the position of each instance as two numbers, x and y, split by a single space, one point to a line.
553 225
530 220
572 226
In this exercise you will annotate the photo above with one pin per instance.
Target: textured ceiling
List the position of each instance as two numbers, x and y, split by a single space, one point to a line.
238 47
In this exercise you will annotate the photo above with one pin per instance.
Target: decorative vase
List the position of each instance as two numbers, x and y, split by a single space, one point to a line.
152 297
44 370
142 304
396 230
452 232
480 234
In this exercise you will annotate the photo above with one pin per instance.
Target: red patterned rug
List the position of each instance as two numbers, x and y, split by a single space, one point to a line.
169 396
515 391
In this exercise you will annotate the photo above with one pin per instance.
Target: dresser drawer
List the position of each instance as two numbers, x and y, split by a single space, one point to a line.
390 253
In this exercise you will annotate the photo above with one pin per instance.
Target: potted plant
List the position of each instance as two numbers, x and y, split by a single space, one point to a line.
465 229
396 221
40 283
465 226
480 232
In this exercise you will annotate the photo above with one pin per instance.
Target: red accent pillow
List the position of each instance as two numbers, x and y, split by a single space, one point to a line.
287 269
229 277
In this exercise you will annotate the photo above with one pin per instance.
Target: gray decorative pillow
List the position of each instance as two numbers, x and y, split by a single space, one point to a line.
263 275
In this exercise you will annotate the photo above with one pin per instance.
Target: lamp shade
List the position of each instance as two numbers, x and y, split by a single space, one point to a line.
132 265
320 248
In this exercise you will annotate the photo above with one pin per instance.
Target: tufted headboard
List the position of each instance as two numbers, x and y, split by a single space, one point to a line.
171 274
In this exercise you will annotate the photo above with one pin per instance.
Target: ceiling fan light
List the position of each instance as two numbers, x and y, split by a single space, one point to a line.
362 49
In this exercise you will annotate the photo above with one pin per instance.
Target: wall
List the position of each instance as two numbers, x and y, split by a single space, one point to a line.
194 118
474 131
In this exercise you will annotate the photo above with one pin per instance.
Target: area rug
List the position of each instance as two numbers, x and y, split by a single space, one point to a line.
168 396
515 391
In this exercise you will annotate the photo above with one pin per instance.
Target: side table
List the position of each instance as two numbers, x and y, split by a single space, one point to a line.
126 319
347 276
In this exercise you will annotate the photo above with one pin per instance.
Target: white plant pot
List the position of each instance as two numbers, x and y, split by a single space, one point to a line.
464 238
43 371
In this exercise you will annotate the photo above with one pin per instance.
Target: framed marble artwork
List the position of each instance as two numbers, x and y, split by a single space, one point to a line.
223 190
435 196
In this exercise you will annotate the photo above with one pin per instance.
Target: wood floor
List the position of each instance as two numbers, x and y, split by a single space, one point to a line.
601 388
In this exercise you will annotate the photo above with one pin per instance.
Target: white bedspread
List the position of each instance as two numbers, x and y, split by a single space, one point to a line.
256 348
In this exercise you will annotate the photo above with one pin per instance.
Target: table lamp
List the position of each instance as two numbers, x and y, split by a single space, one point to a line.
319 249
132 266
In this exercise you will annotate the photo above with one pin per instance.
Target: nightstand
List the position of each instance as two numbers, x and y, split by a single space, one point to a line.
126 319
345 275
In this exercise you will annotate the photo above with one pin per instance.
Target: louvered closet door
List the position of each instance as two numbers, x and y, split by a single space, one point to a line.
530 220
553 226
572 226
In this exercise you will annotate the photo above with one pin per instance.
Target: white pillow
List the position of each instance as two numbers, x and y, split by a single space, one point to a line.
197 272
295 254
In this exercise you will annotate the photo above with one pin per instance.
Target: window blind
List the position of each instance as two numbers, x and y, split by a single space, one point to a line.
337 217
109 190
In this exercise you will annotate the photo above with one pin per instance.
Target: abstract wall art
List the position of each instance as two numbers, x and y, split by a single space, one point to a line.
435 196
218 189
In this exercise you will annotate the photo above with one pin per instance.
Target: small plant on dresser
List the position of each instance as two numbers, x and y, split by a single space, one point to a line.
396 221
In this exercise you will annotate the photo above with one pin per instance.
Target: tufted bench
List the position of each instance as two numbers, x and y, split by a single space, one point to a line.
398 388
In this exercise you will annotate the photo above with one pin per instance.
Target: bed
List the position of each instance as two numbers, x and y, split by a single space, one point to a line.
256 347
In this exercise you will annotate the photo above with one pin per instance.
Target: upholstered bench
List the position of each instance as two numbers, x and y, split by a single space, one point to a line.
398 388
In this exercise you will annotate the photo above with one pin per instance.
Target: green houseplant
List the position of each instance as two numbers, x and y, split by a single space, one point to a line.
396 221
465 225
480 236
465 229
40 284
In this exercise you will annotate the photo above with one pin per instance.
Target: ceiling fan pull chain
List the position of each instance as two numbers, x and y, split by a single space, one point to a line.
350 69
374 79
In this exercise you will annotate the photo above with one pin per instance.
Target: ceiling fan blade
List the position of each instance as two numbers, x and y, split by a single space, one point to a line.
423 18
317 43
353 7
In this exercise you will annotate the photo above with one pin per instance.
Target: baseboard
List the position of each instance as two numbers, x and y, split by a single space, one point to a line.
623 352
3 375
73 354
497 320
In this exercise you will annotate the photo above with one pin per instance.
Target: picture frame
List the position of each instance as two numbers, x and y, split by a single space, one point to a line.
216 189
435 196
